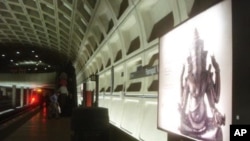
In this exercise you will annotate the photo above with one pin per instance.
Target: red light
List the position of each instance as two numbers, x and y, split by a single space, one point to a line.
33 100
39 90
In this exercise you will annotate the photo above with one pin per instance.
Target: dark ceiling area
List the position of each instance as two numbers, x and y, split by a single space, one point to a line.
42 35
20 58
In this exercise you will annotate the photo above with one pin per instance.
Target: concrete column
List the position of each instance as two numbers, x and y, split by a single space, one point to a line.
21 96
27 96
13 96
27 99
3 91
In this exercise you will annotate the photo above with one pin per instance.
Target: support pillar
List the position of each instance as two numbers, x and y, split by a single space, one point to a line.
27 96
97 90
21 96
3 91
13 96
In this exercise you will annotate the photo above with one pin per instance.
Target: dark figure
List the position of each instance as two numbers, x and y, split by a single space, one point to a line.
54 108
41 100
47 99
62 100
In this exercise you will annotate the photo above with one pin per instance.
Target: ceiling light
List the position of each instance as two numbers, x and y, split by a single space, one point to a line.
36 56
11 60
33 51
17 52
3 55
27 63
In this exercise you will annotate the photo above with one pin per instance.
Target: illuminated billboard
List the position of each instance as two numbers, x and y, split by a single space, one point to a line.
195 76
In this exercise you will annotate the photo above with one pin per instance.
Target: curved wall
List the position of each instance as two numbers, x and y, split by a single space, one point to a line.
121 46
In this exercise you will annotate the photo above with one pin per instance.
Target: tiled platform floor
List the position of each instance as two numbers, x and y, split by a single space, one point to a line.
40 128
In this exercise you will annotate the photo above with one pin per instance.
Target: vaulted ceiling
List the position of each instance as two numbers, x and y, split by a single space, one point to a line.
45 35
41 35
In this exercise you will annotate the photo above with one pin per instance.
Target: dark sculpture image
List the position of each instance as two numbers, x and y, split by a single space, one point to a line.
196 86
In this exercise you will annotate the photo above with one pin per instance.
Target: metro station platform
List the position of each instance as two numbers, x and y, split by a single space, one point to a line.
40 128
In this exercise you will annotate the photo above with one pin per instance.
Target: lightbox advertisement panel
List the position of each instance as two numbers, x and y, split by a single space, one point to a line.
195 76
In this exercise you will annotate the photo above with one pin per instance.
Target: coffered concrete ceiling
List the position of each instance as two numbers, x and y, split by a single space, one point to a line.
45 26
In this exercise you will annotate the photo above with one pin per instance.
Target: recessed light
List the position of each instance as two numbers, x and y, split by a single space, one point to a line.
11 60
17 52
36 56
3 55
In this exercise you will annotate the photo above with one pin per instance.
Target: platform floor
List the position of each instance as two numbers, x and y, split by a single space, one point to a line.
40 128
